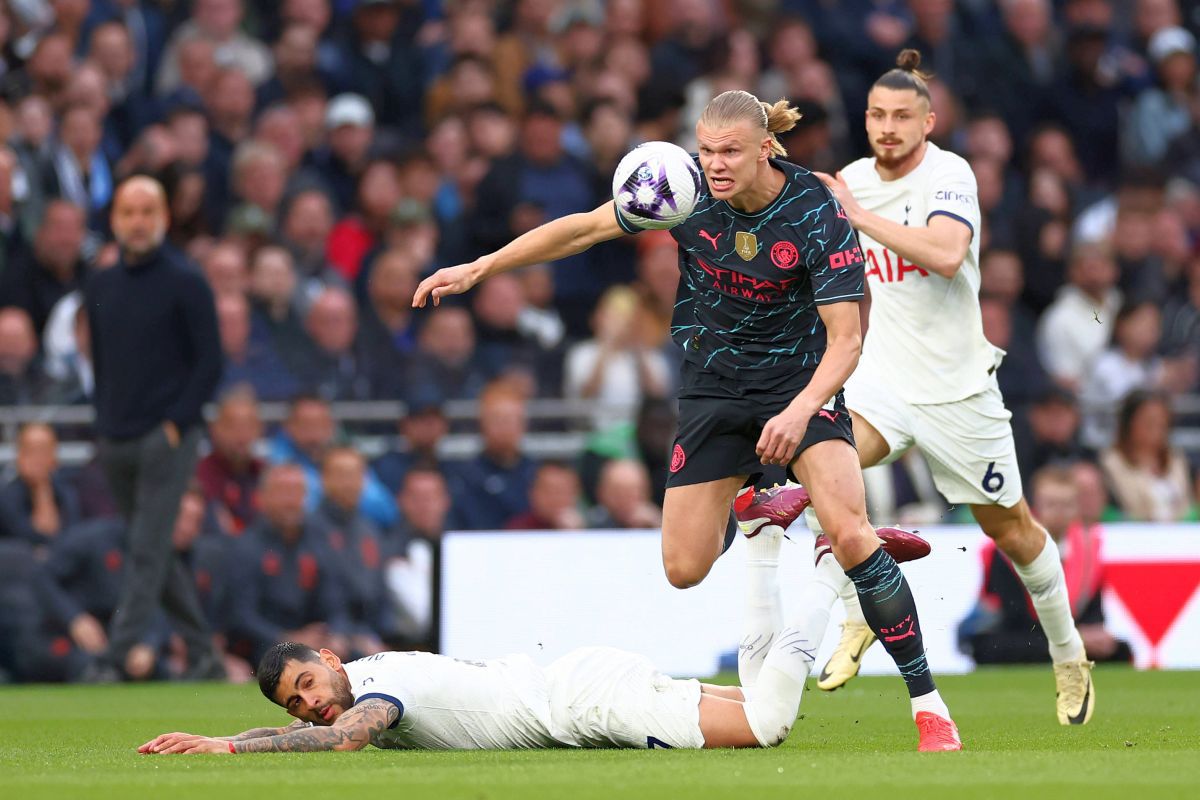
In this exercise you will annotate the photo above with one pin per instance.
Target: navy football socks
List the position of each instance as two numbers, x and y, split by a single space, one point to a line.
888 606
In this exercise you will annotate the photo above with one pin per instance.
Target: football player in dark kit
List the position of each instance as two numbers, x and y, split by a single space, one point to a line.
768 316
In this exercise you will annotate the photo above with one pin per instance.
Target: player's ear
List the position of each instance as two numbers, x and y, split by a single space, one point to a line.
930 121
330 659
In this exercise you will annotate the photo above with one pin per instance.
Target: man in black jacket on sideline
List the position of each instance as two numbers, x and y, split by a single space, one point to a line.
157 358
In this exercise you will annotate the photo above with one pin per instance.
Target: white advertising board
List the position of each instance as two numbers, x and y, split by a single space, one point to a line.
546 593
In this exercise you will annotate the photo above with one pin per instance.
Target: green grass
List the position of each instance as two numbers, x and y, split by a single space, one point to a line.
1144 742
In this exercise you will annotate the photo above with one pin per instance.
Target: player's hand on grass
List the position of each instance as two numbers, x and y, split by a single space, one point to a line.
164 740
841 190
782 435
444 282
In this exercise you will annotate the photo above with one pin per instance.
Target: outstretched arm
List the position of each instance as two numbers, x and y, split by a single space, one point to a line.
557 239
164 741
354 730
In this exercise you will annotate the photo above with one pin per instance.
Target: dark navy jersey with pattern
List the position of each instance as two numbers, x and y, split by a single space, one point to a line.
750 284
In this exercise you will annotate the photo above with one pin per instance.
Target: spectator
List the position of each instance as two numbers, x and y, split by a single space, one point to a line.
307 433
307 222
389 335
1129 363
381 65
510 336
224 268
357 547
112 50
1051 432
414 576
81 173
493 487
1148 477
1095 504
1181 317
22 381
38 640
259 175
623 496
1074 330
539 183
219 22
154 344
421 429
1003 629
274 318
445 358
229 474
88 565
337 368
38 505
284 587
553 501
248 362
39 277
616 368
350 126
1162 113
376 197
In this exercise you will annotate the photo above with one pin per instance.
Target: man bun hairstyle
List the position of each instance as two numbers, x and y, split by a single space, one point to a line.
270 668
907 74
734 106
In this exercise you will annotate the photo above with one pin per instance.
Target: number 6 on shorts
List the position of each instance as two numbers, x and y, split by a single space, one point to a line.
992 481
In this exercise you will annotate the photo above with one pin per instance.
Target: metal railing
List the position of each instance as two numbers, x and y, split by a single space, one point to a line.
559 428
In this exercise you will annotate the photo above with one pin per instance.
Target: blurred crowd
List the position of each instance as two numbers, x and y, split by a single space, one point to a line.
321 156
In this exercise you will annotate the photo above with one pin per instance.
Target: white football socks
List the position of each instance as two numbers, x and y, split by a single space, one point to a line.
771 709
930 702
838 579
764 608
1047 586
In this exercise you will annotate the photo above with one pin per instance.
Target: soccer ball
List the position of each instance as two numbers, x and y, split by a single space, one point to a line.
656 185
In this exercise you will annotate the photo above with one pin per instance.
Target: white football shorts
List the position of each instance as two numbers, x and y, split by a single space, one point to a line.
604 697
968 443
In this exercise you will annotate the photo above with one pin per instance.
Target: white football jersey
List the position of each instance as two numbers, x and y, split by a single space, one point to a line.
925 336
451 704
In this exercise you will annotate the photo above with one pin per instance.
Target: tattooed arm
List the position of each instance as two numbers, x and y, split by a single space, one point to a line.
259 733
354 730
165 742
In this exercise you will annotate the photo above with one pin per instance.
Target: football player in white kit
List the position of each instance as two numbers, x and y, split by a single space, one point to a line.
591 697
927 374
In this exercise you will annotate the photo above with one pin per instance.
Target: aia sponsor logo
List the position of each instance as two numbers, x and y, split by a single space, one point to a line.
893 267
678 458
844 258
784 255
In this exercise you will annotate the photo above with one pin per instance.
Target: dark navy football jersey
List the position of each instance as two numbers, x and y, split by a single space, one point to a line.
750 284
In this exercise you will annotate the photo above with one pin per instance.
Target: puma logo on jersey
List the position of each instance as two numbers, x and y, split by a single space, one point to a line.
711 239
829 415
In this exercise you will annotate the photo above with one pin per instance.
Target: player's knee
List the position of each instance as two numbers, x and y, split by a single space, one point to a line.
685 572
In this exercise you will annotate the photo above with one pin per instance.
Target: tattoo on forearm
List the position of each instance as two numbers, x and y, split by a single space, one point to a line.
355 729
259 733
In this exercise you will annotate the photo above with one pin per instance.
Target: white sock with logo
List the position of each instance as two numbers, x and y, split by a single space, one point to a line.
1047 586
763 615
771 710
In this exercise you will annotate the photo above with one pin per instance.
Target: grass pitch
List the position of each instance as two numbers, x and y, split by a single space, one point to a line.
1144 742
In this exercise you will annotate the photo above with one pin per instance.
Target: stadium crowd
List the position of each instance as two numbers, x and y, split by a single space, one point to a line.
321 156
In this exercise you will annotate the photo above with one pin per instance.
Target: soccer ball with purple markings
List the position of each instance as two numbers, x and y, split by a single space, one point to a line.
656 185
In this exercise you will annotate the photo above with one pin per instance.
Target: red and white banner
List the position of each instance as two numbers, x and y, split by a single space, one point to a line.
546 593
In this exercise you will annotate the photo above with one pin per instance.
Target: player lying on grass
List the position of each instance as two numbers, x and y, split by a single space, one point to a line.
591 697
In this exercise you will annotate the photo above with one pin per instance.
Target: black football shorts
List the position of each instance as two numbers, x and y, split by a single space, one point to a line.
721 420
